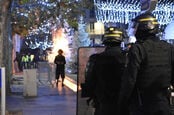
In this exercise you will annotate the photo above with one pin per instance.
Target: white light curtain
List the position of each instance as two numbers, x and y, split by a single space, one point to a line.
123 11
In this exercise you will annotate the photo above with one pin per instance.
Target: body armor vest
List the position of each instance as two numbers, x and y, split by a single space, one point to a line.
155 72
110 66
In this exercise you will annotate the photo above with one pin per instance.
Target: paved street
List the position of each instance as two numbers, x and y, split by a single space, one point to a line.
50 101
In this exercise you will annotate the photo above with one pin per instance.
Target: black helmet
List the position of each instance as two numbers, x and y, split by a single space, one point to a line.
113 35
145 24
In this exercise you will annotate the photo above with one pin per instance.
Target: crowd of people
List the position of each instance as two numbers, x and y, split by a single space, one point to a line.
133 81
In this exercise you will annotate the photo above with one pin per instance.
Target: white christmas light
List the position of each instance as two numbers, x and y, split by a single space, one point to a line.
123 11
169 33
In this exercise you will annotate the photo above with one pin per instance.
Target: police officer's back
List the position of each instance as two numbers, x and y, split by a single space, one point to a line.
149 71
107 71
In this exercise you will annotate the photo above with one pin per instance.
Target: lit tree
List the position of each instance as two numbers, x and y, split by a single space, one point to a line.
81 39
39 17
29 15
83 36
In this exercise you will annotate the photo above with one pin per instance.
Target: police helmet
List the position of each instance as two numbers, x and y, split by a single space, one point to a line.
113 35
145 24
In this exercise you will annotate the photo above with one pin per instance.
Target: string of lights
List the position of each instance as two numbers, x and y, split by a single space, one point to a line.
123 11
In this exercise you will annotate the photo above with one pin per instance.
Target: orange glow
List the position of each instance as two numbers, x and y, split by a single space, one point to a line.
68 82
59 42
71 84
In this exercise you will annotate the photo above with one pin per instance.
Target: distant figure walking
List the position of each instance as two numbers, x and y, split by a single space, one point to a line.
60 66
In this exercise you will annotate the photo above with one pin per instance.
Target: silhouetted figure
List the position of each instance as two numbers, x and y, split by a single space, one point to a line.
104 72
60 66
149 71
18 60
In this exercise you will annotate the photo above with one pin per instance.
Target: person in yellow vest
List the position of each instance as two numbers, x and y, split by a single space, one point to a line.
27 58
23 61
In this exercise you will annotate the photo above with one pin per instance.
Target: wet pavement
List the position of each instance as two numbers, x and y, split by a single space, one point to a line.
49 101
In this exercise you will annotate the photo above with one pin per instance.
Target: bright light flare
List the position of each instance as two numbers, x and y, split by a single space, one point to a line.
59 42
70 83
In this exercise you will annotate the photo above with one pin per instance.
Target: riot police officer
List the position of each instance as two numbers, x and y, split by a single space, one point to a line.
105 70
149 71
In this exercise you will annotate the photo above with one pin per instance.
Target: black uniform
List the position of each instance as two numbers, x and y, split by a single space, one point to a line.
103 79
147 78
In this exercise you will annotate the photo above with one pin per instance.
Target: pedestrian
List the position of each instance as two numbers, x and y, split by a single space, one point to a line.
148 75
60 66
18 60
36 60
104 71
24 61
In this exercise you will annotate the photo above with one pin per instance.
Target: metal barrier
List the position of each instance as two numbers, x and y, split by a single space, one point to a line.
46 73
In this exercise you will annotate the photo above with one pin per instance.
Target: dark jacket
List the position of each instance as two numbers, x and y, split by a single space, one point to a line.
148 74
60 63
103 78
